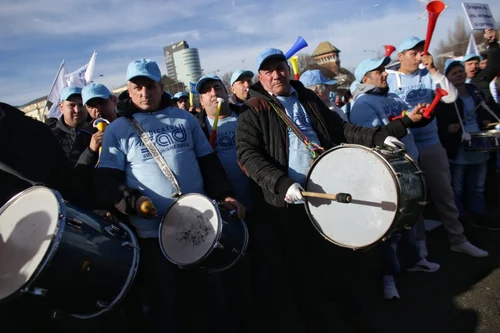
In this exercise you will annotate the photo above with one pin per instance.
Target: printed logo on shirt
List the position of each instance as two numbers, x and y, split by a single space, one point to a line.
393 109
415 94
166 138
226 140
302 121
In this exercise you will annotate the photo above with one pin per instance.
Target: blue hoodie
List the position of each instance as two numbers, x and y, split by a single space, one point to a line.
373 107
417 88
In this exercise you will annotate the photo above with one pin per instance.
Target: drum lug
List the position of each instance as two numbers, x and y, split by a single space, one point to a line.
102 304
128 245
407 227
36 291
422 203
398 174
219 246
112 229
75 223
402 210
419 172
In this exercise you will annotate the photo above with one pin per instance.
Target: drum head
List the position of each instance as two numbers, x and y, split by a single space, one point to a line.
28 223
365 175
189 229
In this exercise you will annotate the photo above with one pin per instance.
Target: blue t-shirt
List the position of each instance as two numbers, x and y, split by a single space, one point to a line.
180 140
299 157
416 88
370 110
471 126
226 151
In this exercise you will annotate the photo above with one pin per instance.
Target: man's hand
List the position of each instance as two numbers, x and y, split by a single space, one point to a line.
232 204
96 141
453 128
145 208
417 113
428 62
394 143
294 193
490 35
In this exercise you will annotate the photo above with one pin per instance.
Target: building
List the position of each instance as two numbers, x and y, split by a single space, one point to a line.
183 63
326 55
35 108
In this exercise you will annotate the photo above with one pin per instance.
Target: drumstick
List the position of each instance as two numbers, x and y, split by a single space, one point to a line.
492 124
339 197
213 135
472 112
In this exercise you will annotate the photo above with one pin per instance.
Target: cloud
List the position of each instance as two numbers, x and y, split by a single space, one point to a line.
228 33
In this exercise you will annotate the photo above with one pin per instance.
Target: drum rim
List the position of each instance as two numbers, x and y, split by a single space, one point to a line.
54 241
216 239
485 134
376 151
130 278
238 258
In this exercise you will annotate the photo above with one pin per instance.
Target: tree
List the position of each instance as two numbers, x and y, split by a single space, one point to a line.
226 79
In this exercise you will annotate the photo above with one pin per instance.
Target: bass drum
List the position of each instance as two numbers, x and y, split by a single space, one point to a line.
77 262
387 188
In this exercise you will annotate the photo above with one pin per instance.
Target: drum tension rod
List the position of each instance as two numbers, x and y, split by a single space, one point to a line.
339 197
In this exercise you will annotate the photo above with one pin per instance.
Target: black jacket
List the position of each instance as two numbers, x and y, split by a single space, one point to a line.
28 147
109 184
75 143
446 115
262 139
484 77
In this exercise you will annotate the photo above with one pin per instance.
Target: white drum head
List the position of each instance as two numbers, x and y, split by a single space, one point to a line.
189 229
360 172
27 226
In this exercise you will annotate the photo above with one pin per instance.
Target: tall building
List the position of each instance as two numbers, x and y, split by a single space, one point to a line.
183 63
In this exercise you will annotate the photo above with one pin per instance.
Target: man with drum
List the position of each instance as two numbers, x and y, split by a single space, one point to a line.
128 176
373 106
414 86
278 160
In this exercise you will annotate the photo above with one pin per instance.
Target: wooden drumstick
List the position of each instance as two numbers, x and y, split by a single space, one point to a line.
493 124
339 197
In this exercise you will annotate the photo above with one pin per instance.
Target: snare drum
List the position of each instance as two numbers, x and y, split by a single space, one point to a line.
387 188
194 232
74 260
484 141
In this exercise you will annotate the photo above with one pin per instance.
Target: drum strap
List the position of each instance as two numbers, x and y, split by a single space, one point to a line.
8 169
313 147
156 155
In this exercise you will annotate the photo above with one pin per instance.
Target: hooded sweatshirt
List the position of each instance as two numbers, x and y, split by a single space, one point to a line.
417 88
372 107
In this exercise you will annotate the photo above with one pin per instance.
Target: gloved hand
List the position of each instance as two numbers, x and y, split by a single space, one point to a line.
392 142
294 193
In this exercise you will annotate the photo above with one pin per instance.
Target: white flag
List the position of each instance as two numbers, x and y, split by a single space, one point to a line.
58 85
89 73
77 78
472 47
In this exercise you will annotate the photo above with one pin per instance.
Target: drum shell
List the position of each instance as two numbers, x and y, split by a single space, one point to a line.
485 141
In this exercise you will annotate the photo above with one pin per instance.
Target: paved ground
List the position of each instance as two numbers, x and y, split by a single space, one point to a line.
462 297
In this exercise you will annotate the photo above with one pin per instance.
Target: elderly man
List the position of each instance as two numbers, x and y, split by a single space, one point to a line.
240 81
414 86
72 131
314 80
373 106
128 175
100 102
278 158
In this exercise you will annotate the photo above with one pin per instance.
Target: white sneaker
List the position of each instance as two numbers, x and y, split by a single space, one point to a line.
424 266
469 249
390 290
422 248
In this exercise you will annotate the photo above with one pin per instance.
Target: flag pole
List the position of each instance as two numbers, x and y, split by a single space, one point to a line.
52 87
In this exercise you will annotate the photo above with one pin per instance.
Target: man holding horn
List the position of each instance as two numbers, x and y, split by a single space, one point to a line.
284 128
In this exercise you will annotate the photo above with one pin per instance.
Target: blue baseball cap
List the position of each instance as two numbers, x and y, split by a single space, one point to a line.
144 67
313 77
471 56
239 73
369 65
409 43
267 54
204 79
450 63
95 90
180 94
66 92
353 86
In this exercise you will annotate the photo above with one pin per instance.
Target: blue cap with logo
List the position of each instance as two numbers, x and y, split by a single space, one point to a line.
450 63
267 54
471 56
369 65
95 90
144 67
409 43
66 92
239 73
314 77
204 79
180 94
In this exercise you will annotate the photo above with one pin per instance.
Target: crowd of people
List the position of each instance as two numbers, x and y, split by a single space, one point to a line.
269 133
